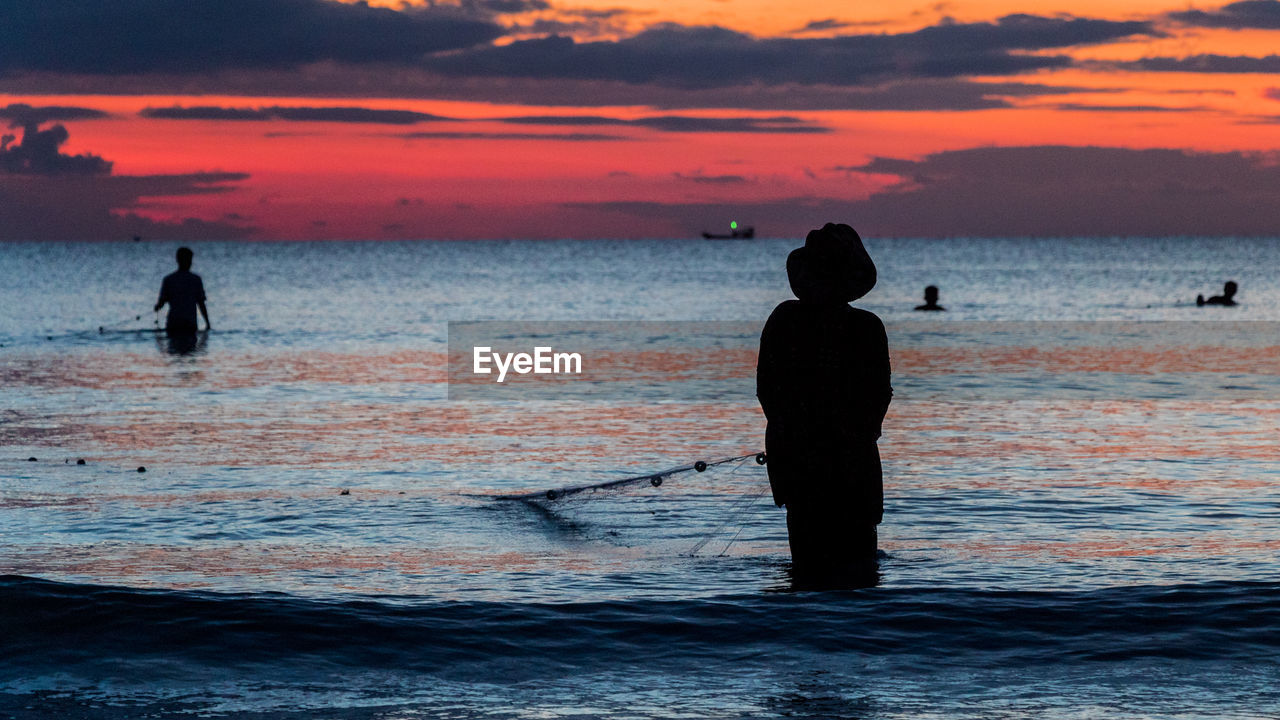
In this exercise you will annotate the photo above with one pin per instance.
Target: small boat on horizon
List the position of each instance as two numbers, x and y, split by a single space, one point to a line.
735 233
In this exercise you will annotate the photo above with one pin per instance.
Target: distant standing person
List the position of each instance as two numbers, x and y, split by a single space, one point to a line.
184 292
1226 298
823 382
930 299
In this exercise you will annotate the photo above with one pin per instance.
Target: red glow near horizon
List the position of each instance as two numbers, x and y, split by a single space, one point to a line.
477 176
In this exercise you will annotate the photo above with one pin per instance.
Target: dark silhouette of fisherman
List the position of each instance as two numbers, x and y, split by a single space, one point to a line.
182 343
1226 298
823 382
183 291
930 299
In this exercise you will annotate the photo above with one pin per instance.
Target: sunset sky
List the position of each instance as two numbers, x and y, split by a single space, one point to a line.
315 119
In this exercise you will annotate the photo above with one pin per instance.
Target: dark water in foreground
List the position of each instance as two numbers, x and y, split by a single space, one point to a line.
1081 521
884 652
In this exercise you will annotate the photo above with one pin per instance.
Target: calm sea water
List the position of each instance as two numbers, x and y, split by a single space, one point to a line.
1082 490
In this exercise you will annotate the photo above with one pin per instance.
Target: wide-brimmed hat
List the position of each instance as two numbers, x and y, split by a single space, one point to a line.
833 266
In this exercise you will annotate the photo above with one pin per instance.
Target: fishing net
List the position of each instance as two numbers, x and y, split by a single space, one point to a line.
696 509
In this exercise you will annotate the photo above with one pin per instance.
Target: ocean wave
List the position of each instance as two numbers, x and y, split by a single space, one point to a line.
52 626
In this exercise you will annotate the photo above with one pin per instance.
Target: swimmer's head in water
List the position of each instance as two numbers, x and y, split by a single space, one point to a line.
184 258
931 294
1229 290
833 266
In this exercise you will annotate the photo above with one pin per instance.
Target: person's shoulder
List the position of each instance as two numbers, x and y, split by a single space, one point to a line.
865 322
786 308
787 317
865 317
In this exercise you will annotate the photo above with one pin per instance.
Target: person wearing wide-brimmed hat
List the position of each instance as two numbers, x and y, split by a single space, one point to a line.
823 381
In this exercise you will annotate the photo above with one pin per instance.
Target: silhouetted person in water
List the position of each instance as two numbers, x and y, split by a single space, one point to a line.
823 381
182 343
184 292
1226 298
930 299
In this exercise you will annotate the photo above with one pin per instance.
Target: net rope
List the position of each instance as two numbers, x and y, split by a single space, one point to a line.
654 479
736 511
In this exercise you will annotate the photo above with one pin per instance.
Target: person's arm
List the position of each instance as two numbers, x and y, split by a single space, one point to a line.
200 304
865 394
767 368
886 390
769 378
882 392
164 295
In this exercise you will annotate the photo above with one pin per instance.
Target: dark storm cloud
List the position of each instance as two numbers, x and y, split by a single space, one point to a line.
1087 107
664 123
1207 64
205 112
204 49
1039 191
194 36
712 179
926 94
1260 14
570 26
604 13
1200 91
1065 191
352 115
48 195
302 114
591 22
571 137
500 7
820 25
912 95
709 57
329 80
680 123
37 153
103 207
22 114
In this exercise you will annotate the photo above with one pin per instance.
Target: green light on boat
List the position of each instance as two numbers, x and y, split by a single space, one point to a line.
733 224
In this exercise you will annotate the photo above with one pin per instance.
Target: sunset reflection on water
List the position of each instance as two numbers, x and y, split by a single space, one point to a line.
322 453
1023 484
